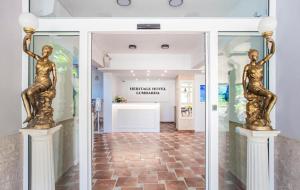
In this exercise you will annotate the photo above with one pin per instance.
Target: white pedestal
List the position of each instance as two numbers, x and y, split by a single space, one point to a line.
42 161
257 158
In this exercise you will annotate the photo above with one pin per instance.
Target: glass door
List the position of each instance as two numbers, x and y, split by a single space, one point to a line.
65 55
233 56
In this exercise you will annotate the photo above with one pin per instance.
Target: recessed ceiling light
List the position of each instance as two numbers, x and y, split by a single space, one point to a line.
123 2
136 79
132 71
175 3
133 74
165 46
132 46
165 71
148 71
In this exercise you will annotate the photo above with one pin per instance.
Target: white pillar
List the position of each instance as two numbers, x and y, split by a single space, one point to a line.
42 160
257 158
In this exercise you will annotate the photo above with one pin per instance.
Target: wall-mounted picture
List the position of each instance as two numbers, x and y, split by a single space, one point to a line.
202 93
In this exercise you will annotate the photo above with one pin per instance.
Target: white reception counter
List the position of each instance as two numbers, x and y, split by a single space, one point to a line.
136 117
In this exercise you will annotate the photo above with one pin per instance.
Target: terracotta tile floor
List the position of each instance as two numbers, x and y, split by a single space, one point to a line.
70 180
169 160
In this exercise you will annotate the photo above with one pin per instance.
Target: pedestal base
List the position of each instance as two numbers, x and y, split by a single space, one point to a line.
33 125
258 128
257 158
42 161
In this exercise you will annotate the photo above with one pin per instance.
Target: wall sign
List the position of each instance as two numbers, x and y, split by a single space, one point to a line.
147 90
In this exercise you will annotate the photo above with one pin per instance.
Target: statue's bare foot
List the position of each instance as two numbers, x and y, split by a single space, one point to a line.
29 118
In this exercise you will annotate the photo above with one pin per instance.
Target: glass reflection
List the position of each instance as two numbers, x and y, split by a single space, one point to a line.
65 104
153 8
233 56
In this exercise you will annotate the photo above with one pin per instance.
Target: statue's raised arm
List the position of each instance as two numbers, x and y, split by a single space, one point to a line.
26 43
271 42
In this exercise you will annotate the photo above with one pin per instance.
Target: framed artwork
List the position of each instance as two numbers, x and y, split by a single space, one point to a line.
202 93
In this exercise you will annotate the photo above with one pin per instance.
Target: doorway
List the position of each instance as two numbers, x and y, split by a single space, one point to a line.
152 91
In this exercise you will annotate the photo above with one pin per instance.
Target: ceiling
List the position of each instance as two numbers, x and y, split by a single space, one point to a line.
150 43
151 74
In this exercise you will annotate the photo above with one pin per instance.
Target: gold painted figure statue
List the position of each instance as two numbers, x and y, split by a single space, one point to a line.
260 100
38 97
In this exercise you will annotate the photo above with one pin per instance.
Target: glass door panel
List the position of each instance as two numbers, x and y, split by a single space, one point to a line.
65 104
233 56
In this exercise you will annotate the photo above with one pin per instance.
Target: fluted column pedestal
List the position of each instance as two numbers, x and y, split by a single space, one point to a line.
42 160
257 158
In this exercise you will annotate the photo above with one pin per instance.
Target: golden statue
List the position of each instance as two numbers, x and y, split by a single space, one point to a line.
260 100
38 97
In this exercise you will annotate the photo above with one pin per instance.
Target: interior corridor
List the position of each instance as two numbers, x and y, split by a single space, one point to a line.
168 160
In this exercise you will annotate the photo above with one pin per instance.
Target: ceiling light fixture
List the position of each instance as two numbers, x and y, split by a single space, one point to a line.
123 3
132 71
165 46
165 71
132 46
175 3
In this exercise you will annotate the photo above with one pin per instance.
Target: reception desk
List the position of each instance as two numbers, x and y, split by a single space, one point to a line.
136 117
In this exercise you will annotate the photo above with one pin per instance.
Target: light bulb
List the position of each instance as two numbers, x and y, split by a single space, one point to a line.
28 21
267 25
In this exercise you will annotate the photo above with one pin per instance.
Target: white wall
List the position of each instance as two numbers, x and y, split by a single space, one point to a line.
115 85
151 61
107 101
165 98
97 54
288 68
11 65
11 148
197 57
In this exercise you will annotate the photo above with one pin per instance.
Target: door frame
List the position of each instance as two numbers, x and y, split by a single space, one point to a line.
114 25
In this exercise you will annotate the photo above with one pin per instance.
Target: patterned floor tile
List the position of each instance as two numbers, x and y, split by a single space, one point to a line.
169 160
